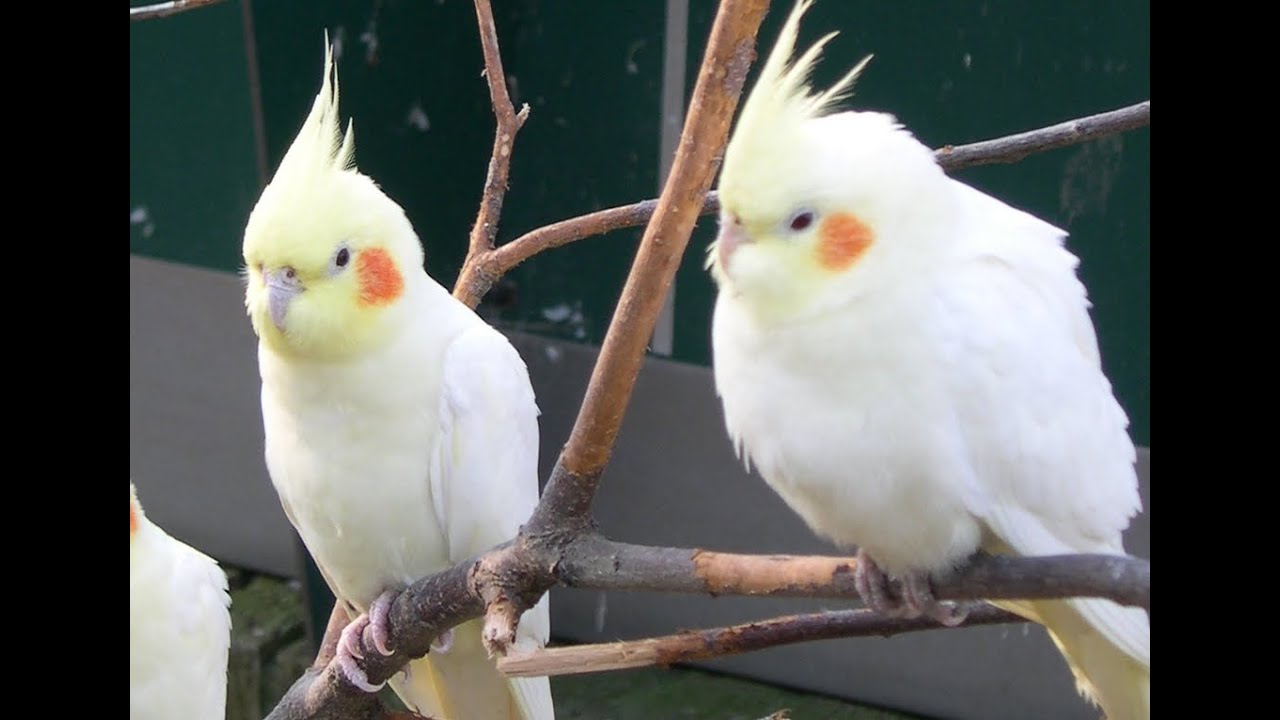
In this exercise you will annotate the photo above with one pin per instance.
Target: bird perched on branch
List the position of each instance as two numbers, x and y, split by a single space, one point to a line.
179 626
911 365
401 430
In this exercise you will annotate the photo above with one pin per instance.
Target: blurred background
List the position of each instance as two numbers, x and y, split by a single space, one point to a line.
216 95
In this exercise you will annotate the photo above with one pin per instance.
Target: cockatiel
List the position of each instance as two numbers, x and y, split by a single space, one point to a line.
911 365
179 626
401 430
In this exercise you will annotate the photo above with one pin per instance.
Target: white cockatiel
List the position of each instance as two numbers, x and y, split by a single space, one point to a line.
179 626
401 429
911 365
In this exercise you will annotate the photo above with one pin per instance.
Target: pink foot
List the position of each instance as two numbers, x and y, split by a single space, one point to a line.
915 599
352 641
442 643
919 597
873 586
379 623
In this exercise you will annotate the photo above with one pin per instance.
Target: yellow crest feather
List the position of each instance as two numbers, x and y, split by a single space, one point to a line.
782 100
321 145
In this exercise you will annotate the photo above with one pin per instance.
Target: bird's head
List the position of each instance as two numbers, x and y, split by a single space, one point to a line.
817 208
328 257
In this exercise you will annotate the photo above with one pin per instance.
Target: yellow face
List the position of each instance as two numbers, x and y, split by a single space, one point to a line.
780 259
319 283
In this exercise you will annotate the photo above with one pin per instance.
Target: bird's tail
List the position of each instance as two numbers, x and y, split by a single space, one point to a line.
1107 647
464 684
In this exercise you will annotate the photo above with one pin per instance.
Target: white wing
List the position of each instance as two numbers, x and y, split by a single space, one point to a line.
1048 441
180 631
490 487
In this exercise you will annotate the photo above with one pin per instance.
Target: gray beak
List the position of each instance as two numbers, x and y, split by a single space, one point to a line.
282 286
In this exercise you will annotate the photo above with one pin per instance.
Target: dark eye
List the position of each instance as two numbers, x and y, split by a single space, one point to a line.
801 220
344 257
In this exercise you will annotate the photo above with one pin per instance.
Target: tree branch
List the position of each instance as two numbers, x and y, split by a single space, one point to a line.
475 275
524 568
1013 148
1009 149
694 645
165 9
577 472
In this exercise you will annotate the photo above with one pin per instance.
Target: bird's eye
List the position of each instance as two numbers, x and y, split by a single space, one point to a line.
344 257
801 221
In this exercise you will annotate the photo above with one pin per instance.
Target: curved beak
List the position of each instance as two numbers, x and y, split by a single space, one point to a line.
282 287
731 236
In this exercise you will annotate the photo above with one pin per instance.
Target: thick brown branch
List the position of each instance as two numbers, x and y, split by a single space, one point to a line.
696 645
1008 149
729 53
165 9
474 280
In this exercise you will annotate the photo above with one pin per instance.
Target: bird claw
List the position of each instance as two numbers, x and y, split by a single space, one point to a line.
354 674
379 625
370 629
874 587
443 642
919 597
916 597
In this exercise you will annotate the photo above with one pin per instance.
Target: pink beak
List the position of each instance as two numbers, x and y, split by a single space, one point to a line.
732 234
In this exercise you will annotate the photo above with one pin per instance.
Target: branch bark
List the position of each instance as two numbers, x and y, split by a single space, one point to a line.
1013 148
165 9
694 645
476 277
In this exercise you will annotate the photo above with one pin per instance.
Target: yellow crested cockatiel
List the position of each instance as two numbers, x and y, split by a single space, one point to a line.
911 365
179 626
401 429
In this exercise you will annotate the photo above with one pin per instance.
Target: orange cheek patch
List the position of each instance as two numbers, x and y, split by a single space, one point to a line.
133 519
380 280
842 239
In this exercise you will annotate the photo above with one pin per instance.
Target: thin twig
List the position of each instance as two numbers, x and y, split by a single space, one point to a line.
165 9
694 645
474 273
1009 149
1013 148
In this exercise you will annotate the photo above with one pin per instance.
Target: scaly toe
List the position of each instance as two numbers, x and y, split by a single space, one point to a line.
443 643
379 628
354 674
874 587
919 596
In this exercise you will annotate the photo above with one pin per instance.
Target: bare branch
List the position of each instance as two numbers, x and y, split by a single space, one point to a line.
474 280
691 646
591 561
730 50
520 571
1008 149
165 9
1013 148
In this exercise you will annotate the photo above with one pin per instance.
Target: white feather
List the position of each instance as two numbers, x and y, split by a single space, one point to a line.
397 463
179 629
